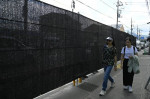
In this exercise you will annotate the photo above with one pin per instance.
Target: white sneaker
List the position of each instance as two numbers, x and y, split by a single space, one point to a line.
125 87
113 85
102 93
130 89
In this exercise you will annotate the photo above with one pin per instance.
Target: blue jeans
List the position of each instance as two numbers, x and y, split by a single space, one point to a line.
107 70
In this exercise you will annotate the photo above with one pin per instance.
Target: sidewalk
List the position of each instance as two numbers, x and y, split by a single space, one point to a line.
90 87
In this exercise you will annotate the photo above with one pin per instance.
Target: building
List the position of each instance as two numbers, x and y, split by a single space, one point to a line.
120 27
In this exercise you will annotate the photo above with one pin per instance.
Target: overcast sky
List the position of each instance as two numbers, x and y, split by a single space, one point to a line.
106 12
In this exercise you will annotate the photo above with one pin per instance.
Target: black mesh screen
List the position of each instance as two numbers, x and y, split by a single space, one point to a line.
43 47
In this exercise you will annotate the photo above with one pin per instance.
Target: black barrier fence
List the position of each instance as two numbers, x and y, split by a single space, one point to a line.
43 47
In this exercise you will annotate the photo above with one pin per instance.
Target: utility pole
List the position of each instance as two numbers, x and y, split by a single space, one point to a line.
117 14
119 3
149 28
149 39
137 32
131 26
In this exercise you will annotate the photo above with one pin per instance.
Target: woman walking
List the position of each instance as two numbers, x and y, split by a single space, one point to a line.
109 59
127 52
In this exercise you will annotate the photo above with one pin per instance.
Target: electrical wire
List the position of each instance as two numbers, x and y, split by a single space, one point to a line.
99 11
137 11
62 4
94 9
107 5
135 2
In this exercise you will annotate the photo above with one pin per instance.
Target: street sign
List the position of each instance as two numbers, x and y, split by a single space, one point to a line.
142 38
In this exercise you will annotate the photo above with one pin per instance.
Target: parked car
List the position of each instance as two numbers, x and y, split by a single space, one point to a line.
138 45
142 45
146 44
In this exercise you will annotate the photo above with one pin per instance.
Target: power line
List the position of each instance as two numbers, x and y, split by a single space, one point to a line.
137 11
139 3
97 10
142 24
134 2
61 3
108 5
94 9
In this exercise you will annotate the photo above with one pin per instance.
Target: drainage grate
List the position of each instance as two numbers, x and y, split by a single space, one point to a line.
88 87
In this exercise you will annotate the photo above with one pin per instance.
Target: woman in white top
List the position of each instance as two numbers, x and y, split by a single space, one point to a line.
127 52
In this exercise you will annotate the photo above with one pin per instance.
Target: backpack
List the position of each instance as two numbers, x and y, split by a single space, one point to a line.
125 50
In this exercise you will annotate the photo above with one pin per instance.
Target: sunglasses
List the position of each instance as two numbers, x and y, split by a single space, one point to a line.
108 40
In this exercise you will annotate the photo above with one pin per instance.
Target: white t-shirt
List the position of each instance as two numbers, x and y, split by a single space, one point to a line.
128 51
